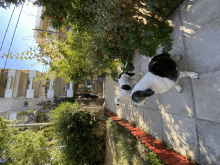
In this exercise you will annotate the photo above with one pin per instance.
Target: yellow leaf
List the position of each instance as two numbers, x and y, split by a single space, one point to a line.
27 53
22 53
25 58
21 58
16 57
10 53
10 57
3 53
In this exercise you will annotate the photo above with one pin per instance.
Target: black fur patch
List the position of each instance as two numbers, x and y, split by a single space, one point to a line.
162 65
141 95
120 75
126 87
130 74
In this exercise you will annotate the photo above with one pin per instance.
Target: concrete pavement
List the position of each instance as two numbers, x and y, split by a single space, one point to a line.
188 121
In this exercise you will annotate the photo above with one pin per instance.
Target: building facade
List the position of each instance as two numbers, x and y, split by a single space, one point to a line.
20 91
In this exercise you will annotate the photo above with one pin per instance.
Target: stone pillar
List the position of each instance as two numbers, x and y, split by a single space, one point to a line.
8 91
15 92
70 90
50 92
31 83
30 91
8 83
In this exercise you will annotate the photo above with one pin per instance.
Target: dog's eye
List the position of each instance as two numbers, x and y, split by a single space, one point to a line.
117 104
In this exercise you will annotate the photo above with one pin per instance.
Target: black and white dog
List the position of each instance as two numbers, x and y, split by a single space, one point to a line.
126 82
162 76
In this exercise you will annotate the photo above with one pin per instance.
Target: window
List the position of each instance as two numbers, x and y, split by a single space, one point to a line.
26 104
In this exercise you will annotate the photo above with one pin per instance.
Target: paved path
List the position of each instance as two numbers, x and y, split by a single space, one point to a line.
188 121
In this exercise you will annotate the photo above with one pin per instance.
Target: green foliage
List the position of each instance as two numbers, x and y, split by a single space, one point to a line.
24 147
5 138
125 151
74 129
56 102
29 148
153 159
7 3
77 58
105 33
26 113
3 83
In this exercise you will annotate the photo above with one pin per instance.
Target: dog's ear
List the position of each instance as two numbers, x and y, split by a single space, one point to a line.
147 93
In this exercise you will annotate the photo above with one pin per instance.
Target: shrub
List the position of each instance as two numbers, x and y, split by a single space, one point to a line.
29 147
74 129
25 147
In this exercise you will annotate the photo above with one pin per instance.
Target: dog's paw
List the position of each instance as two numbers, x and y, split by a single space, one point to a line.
194 75
177 58
179 88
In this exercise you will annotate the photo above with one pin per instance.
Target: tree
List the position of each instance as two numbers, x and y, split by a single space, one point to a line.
76 58
7 3
22 147
30 147
105 33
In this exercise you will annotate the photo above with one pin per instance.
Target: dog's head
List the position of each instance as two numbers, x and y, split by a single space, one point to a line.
139 97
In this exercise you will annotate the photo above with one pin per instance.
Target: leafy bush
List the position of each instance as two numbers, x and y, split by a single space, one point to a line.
25 147
29 147
74 129
56 102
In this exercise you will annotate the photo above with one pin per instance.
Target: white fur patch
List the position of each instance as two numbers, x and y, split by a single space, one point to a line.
156 83
124 80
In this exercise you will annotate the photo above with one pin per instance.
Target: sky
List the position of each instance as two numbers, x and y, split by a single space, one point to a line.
24 29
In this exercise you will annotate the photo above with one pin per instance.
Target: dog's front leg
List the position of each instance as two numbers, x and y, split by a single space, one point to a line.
177 58
193 75
178 88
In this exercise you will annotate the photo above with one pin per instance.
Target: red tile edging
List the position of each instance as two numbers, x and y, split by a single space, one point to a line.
169 156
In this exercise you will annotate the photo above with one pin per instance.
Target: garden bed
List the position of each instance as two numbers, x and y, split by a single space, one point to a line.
157 152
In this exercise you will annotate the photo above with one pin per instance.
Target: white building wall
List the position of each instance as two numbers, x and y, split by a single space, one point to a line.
8 90
30 90
16 83
5 104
